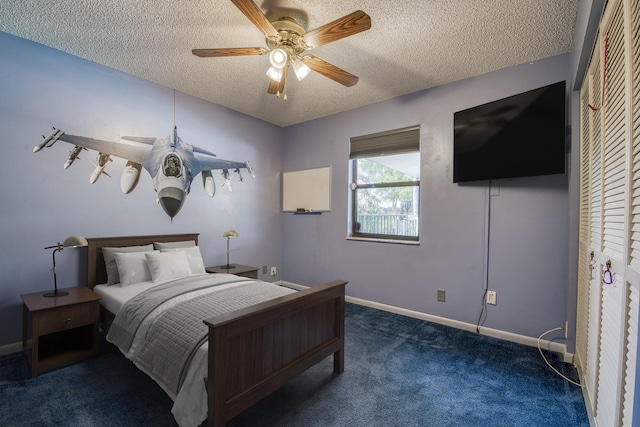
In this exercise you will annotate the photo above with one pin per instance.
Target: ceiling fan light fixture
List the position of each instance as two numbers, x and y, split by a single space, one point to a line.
300 68
278 58
275 74
287 40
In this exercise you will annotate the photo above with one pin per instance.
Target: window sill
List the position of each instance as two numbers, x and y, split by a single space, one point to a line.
392 241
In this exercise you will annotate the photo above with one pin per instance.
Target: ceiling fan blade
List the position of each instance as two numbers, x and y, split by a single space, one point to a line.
330 71
273 87
255 15
276 88
232 51
340 28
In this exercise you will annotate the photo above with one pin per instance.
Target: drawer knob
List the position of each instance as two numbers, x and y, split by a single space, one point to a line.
68 320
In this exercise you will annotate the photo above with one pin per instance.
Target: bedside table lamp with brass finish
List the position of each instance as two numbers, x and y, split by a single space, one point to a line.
229 234
70 242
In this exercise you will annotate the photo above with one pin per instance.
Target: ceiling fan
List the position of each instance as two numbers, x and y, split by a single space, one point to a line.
287 40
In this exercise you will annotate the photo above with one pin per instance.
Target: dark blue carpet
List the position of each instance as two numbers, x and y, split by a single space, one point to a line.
399 371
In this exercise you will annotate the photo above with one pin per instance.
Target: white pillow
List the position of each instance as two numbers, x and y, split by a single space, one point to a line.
113 275
132 267
166 245
167 265
194 256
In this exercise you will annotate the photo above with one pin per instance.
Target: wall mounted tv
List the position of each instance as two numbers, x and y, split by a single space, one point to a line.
522 135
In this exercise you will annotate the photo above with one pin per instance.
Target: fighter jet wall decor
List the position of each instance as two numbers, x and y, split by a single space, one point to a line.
171 162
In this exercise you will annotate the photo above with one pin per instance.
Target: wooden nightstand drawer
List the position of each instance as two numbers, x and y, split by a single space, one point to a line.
63 329
64 318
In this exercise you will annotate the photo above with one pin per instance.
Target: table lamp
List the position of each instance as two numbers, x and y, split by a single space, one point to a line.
70 242
229 234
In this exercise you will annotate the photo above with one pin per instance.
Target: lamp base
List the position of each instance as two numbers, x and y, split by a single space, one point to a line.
228 266
55 293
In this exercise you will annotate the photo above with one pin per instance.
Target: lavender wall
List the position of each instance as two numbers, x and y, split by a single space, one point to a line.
529 219
42 203
528 251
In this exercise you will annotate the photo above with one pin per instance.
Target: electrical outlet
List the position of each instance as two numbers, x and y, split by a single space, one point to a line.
273 271
264 269
441 295
491 297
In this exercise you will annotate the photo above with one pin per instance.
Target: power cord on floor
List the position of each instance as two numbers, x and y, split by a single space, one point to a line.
549 364
484 305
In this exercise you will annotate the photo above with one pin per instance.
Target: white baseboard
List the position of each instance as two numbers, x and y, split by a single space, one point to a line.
10 348
495 333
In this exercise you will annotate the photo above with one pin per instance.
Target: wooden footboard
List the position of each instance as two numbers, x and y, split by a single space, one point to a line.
254 351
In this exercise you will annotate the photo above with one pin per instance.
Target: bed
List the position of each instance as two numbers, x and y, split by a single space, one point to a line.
249 352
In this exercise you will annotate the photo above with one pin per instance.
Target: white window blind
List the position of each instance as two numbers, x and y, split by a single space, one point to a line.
405 140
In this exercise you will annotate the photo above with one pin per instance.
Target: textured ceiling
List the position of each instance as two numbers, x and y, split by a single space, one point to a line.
412 45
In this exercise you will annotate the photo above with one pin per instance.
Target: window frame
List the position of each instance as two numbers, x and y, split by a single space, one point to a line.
397 144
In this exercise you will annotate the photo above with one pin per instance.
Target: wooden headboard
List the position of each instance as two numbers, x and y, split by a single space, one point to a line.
96 270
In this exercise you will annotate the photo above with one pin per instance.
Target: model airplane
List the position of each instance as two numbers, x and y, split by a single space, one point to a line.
171 163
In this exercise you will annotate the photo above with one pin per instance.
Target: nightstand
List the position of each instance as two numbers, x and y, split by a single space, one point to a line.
239 270
64 329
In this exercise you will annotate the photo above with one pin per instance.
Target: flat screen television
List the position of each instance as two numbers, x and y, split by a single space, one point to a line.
522 135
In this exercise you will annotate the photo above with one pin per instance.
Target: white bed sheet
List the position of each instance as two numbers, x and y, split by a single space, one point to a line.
114 297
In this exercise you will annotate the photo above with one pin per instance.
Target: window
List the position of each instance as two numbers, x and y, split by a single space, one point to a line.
385 190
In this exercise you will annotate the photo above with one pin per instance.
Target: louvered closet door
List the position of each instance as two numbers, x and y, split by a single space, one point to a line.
630 354
635 137
614 193
584 260
610 170
594 90
588 312
633 271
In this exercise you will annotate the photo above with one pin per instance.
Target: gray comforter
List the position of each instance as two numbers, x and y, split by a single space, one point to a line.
162 328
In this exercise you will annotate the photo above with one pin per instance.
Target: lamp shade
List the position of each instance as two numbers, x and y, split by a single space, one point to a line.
230 233
75 242
278 58
275 74
301 69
